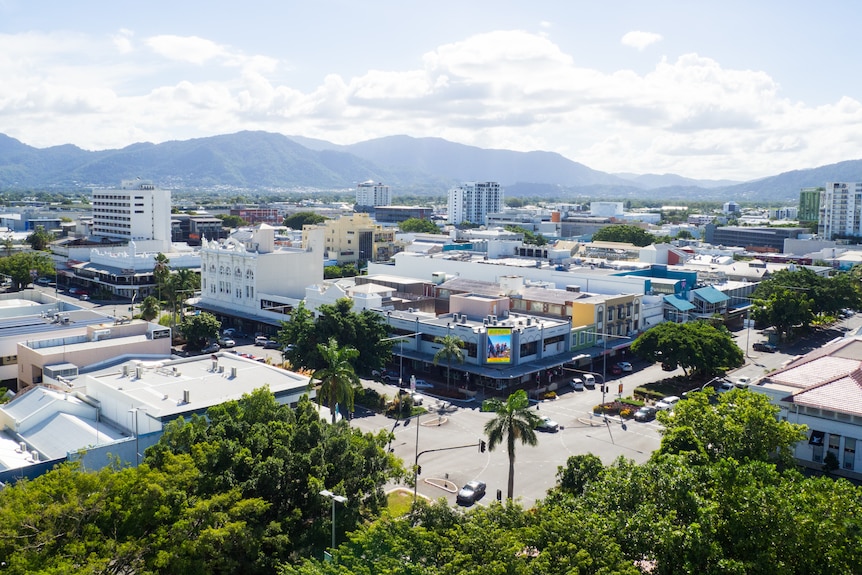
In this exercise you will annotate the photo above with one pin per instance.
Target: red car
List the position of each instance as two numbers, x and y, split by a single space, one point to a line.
616 369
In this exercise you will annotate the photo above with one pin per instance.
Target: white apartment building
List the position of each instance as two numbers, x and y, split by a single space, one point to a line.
473 201
373 194
137 211
248 279
840 210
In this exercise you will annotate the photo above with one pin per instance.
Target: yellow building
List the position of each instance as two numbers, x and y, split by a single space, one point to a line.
355 238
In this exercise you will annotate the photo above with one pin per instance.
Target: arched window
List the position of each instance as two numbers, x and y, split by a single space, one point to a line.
212 268
238 273
221 270
249 274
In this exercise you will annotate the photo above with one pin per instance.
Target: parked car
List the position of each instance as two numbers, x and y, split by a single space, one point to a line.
260 340
384 374
724 387
764 346
616 369
417 398
234 333
211 348
471 493
589 381
75 290
578 384
548 424
225 341
743 381
625 366
667 403
271 344
645 413
84 297
422 384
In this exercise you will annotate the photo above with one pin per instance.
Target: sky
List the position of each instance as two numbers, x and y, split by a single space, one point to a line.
711 90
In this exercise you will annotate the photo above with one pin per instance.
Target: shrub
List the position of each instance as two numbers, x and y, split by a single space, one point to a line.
626 412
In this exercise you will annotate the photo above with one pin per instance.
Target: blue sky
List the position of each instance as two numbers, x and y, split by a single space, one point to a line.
729 89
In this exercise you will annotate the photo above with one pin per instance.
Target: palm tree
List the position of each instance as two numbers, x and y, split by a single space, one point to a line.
161 271
150 308
513 421
338 379
452 347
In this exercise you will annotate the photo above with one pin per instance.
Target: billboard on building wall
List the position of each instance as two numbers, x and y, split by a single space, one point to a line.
499 345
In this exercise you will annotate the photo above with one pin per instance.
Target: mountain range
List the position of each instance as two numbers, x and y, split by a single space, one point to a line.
264 161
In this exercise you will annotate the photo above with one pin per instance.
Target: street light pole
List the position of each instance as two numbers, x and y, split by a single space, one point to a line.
137 441
338 498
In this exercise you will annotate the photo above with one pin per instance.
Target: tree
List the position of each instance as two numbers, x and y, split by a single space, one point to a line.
580 471
228 221
419 225
451 347
8 243
740 424
197 329
40 239
624 233
300 219
180 286
20 267
783 310
150 308
298 338
337 379
512 421
698 347
162 272
530 238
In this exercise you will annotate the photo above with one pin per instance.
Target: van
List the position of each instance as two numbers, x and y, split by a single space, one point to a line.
589 381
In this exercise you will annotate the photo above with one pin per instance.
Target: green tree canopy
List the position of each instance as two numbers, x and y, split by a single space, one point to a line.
698 347
337 379
150 308
624 233
530 238
40 239
363 331
197 329
20 267
228 221
299 219
419 225
739 424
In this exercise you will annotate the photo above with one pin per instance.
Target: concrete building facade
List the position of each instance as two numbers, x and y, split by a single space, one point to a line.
371 194
474 201
354 239
840 210
137 211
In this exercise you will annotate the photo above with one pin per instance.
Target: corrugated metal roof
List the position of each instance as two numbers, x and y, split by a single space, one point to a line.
679 303
710 295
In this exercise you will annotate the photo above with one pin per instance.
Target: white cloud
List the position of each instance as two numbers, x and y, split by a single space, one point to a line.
505 89
640 40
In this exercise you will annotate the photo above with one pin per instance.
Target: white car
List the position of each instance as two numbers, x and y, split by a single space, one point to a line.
625 366
724 387
578 384
667 403
422 384
548 424
417 399
225 341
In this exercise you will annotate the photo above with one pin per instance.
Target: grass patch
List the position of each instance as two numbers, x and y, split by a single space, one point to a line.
399 502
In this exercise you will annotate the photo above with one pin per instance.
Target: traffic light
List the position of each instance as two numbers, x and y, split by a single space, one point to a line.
482 446
418 470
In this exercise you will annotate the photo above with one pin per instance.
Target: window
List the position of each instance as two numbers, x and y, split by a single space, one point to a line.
832 445
849 452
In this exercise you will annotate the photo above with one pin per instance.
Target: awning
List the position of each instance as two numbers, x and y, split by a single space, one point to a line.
817 438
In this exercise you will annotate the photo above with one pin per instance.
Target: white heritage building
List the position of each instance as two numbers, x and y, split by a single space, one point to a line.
250 282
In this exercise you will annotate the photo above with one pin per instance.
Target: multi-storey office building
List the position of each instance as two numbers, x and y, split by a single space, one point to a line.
372 194
137 211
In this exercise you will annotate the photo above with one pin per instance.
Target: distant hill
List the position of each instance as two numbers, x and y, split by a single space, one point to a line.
263 161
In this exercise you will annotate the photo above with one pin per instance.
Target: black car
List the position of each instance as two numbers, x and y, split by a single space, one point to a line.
764 346
471 493
645 413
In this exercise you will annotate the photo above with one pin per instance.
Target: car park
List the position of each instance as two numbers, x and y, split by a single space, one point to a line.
578 384
471 492
645 413
667 403
225 341
548 424
625 366
764 346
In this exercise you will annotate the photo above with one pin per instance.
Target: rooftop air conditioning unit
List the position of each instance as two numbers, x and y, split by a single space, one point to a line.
22 447
34 455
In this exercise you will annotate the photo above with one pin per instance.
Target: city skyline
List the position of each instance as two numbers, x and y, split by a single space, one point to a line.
731 91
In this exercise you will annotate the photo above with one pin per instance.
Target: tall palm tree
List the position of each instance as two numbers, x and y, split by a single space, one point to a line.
161 272
337 379
513 421
452 347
